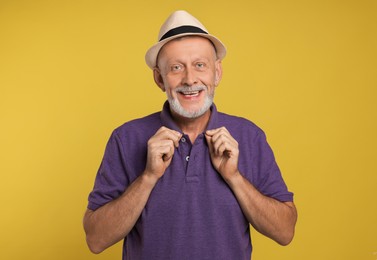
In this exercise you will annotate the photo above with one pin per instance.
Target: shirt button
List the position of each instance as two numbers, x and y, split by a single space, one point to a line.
183 139
187 158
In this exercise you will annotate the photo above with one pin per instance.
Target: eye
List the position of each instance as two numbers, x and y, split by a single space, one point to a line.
200 65
176 67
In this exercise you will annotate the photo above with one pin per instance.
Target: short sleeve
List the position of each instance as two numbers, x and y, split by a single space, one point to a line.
267 177
111 179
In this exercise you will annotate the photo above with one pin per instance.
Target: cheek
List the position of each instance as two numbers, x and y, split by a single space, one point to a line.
209 80
170 91
172 81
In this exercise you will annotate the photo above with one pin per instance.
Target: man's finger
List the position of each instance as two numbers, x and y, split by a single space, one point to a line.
217 130
166 133
168 154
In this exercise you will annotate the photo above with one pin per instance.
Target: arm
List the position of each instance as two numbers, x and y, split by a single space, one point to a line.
270 217
113 221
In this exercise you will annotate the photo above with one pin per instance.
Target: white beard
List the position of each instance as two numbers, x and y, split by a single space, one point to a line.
177 107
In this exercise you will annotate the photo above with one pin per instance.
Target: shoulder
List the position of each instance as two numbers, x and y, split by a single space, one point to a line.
139 128
239 126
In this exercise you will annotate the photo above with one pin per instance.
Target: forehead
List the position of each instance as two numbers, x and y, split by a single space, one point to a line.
187 45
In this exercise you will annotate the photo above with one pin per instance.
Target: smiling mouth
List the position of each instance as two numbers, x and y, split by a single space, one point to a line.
190 93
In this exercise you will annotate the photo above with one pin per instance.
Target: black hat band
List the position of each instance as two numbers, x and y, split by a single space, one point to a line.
181 30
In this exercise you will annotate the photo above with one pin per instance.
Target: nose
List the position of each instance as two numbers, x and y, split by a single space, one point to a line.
189 77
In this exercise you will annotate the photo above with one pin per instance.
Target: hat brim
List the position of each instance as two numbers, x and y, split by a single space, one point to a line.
152 53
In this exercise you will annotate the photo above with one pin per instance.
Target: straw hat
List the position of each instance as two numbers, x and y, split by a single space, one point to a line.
178 24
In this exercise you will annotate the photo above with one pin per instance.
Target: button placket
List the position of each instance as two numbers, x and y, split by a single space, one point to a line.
185 148
192 170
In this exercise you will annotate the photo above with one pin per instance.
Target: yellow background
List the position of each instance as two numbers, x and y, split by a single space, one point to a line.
304 71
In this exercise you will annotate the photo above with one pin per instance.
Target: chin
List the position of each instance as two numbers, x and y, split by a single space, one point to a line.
192 111
189 112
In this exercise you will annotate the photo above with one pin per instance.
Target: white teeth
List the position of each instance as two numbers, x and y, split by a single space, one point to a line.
191 93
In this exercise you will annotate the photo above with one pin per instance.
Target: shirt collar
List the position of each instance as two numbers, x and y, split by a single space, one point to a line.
168 121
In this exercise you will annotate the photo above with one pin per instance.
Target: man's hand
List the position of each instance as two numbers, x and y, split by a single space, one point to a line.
161 148
114 220
224 152
270 217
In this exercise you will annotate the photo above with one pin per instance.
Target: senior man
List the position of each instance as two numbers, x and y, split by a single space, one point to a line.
186 182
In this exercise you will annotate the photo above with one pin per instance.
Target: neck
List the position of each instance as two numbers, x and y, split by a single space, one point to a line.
192 126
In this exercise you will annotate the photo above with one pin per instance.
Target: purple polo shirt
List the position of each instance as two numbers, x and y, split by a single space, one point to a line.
191 212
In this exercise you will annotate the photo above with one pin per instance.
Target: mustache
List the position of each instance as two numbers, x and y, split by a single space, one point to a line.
190 88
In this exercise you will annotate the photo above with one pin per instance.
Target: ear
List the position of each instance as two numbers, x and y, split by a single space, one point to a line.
158 78
218 72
